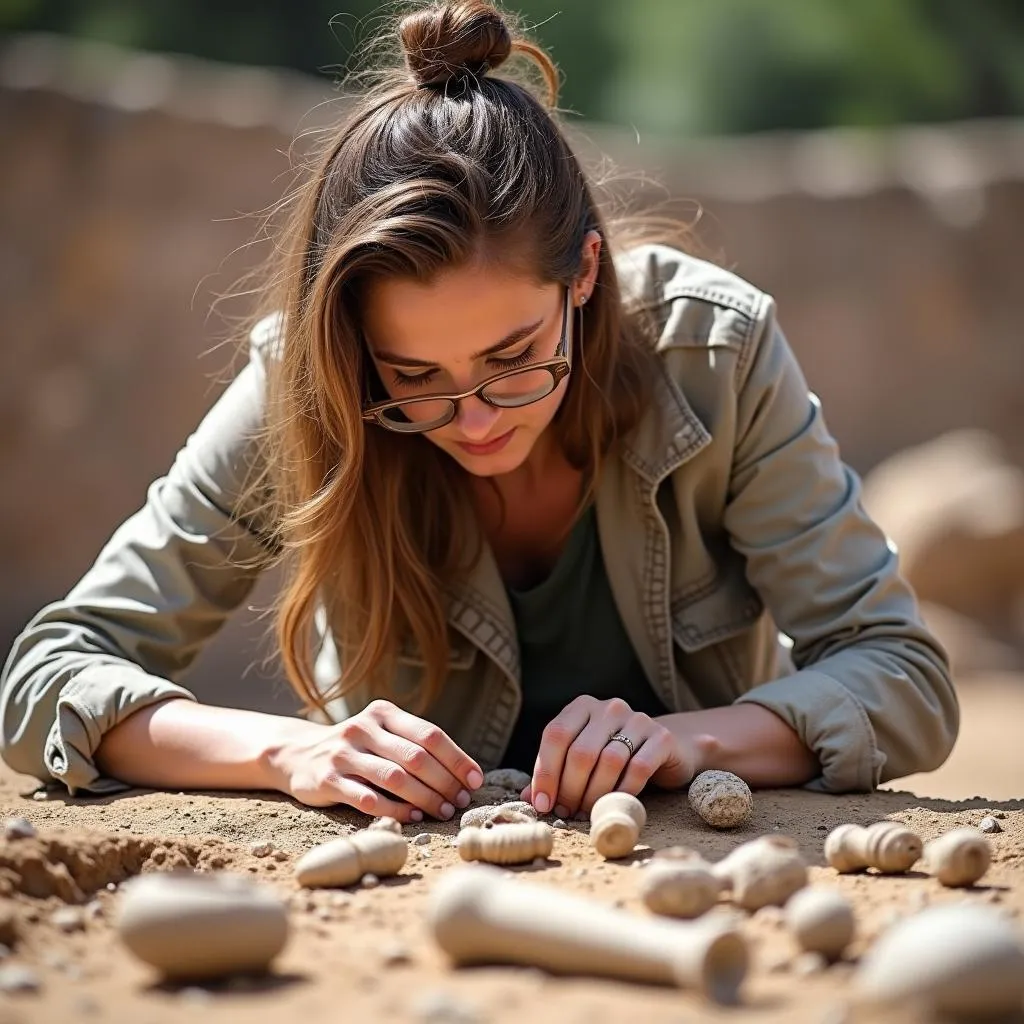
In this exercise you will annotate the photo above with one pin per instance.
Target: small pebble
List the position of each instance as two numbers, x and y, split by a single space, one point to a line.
394 954
558 823
16 978
68 920
809 963
19 828
40 794
261 849
442 1008
111 886
370 881
280 855
423 839
999 814
424 852
195 996
989 824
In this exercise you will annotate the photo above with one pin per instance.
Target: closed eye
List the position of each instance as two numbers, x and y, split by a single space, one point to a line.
419 380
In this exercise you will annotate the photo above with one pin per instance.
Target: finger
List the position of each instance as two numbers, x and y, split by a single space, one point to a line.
656 750
347 789
419 762
614 759
436 742
555 741
394 779
584 753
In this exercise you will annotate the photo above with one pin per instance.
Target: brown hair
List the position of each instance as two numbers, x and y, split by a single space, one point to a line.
441 163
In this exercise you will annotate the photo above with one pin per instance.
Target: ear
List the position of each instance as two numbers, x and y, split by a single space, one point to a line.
589 265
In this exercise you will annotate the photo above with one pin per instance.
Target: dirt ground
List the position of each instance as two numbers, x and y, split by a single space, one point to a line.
366 954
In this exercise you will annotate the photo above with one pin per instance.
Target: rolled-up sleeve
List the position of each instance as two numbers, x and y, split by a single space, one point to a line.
161 587
872 694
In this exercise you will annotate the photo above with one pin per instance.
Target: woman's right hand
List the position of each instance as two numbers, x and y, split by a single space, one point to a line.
382 761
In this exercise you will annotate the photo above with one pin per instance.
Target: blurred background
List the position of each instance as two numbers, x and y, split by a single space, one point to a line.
864 162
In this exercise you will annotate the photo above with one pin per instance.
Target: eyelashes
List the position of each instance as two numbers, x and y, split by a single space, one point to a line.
423 379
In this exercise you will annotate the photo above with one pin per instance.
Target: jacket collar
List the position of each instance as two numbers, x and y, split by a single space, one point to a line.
669 434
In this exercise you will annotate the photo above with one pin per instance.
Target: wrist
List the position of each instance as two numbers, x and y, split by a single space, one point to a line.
274 760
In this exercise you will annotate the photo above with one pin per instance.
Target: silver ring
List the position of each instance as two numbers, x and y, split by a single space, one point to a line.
623 739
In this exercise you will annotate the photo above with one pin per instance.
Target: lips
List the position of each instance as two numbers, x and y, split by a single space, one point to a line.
488 447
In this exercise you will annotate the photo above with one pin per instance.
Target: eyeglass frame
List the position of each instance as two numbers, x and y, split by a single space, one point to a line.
559 366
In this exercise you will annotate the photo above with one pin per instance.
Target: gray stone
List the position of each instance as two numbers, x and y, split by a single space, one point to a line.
19 828
989 824
18 978
423 839
264 849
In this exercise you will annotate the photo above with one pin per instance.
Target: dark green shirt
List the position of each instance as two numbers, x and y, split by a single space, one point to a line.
572 642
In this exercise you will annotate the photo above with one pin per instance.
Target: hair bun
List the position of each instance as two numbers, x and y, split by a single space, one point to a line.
455 39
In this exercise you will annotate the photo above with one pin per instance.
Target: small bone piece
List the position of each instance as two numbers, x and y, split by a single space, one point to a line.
477 817
886 846
201 925
956 959
510 844
958 858
821 921
767 870
511 779
386 824
721 799
344 861
477 916
679 888
615 823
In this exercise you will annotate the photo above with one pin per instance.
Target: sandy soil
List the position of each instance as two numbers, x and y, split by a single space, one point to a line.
367 955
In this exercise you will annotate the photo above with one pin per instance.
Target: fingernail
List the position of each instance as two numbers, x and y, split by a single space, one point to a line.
561 812
463 798
541 802
447 810
475 779
416 815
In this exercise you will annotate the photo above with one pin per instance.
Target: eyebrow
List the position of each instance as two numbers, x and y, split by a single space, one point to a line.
507 342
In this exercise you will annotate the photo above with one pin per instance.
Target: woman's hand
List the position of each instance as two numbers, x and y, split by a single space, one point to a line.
416 765
577 762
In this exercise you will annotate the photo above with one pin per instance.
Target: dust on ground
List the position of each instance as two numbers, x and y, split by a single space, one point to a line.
366 954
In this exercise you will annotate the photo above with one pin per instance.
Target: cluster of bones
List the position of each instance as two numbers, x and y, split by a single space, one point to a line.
954 958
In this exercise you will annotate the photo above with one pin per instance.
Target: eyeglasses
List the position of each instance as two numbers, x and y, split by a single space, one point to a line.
510 389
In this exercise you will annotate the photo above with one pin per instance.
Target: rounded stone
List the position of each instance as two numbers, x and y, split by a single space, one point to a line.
201 926
821 921
721 799
19 828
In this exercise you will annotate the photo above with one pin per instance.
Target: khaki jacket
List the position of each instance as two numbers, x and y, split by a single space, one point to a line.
727 521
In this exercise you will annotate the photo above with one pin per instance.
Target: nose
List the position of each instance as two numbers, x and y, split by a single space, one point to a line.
475 419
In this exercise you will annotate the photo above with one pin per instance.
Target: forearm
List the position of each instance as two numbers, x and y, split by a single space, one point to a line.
179 744
745 739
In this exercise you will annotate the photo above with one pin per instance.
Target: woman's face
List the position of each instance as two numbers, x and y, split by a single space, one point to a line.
449 335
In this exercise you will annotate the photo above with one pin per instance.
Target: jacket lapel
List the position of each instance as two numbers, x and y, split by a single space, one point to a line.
633 534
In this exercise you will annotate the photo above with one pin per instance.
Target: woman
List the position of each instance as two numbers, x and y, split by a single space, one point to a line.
542 503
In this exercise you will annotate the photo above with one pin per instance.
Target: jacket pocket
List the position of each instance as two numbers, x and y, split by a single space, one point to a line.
726 607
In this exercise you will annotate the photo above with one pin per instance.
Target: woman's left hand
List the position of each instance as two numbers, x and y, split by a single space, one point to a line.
578 762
